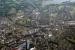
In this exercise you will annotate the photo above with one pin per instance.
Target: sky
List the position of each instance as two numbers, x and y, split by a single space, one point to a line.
59 1
46 2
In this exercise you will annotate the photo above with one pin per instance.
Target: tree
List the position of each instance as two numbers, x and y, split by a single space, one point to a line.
23 22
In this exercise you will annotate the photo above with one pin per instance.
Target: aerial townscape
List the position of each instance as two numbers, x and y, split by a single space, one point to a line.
37 25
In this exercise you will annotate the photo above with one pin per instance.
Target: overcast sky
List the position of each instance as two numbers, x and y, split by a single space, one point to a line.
46 2
55 1
59 1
